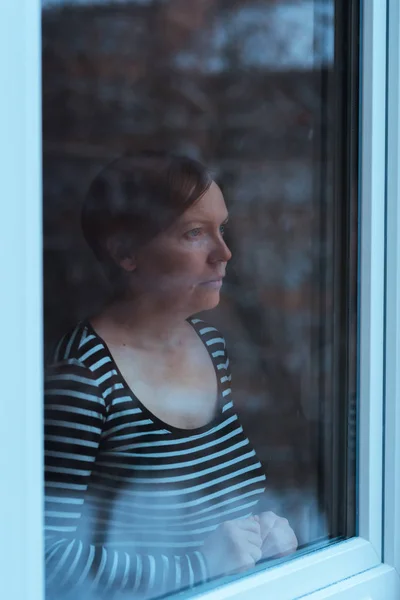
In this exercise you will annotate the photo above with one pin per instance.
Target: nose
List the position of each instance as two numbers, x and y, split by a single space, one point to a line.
220 252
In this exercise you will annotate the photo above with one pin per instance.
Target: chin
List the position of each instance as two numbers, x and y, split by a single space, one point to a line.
209 303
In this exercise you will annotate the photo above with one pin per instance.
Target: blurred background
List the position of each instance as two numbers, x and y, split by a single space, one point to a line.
257 91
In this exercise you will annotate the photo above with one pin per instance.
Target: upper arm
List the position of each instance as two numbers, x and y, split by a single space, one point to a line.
73 422
73 403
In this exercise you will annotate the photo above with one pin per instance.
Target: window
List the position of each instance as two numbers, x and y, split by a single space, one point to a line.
366 562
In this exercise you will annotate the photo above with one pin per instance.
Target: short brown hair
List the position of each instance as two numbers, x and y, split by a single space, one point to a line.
137 196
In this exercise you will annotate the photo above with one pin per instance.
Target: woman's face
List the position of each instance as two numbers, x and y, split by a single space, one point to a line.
185 265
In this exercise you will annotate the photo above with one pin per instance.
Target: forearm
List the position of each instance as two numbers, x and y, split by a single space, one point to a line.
73 566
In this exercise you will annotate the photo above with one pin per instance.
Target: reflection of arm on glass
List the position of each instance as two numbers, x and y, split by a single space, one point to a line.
156 494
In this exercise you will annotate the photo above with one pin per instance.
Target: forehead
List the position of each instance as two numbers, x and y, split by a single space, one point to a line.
211 206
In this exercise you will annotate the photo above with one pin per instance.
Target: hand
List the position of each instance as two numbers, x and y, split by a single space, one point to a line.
278 538
233 547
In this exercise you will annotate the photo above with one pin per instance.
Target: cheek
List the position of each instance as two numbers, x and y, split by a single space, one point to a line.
180 266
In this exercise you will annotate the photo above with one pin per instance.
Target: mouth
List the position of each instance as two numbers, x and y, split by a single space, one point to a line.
213 283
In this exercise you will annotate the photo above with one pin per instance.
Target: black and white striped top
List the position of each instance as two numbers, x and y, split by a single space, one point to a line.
130 499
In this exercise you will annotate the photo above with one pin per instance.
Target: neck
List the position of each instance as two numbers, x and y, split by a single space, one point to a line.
143 321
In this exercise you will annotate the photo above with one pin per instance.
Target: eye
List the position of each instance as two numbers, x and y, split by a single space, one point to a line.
193 233
223 228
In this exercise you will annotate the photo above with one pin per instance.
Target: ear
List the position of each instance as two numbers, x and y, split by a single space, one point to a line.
128 263
121 253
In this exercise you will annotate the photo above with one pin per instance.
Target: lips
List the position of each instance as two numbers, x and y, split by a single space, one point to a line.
213 283
215 280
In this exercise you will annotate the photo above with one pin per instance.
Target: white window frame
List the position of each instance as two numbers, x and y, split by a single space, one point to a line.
21 437
391 521
367 566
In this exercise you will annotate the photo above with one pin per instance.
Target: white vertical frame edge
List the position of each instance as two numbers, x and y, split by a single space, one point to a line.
392 404
21 468
372 262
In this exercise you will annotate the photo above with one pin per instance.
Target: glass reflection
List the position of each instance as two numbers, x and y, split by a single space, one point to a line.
247 88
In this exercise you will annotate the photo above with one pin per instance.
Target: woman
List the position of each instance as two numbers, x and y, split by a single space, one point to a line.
151 483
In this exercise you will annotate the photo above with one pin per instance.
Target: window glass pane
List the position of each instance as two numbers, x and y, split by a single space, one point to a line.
188 413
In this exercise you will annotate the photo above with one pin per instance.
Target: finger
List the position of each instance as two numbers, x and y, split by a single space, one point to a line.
249 524
269 518
290 543
253 538
268 521
265 529
254 551
269 551
279 543
270 547
283 530
281 522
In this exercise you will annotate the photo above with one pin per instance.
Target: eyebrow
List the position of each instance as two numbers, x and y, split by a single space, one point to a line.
204 221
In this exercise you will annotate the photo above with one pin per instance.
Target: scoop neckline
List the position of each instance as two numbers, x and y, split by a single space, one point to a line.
157 420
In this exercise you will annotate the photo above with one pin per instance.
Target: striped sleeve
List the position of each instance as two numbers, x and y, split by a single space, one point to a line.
75 413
